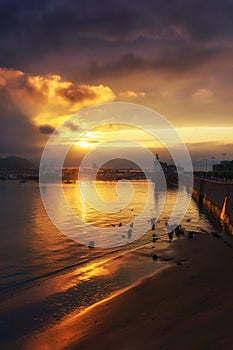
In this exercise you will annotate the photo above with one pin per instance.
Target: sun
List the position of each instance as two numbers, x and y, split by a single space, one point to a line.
83 144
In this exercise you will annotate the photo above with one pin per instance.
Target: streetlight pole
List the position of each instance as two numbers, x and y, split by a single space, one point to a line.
223 156
223 162
213 158
206 163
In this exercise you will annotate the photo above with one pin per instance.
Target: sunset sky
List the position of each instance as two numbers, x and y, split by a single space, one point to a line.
175 57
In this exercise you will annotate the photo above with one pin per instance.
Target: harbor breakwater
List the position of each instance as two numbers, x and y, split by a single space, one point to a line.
217 197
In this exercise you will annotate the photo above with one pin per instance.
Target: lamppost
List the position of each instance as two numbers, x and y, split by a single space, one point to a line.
223 156
223 159
206 163
213 158
194 166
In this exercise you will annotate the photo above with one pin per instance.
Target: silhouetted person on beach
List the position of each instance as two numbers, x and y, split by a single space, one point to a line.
152 221
182 231
179 231
170 232
130 234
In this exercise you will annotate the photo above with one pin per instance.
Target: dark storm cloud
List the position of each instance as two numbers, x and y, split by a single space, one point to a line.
17 133
103 43
46 129
32 31
173 59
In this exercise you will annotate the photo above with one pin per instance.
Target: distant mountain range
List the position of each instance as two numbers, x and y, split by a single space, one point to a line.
15 163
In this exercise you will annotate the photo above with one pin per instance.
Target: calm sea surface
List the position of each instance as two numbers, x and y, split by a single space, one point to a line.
32 247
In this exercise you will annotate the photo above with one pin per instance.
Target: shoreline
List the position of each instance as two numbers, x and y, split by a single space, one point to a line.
188 305
35 308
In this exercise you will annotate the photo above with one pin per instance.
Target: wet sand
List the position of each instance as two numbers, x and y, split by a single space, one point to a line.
188 305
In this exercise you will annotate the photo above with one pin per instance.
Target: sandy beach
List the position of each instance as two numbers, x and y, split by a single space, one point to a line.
188 305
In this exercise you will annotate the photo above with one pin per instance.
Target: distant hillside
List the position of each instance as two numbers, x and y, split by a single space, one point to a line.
15 163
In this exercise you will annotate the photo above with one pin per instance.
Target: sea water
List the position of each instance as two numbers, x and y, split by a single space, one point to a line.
44 275
32 247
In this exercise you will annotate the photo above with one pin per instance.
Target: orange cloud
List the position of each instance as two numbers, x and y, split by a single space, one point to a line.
131 94
49 99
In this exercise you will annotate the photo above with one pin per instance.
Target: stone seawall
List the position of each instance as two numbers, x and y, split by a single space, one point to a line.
217 197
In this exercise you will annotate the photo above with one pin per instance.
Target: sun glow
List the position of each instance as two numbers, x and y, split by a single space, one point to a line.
83 144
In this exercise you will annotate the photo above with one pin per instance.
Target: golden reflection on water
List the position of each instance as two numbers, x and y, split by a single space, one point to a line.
101 268
107 192
83 210
83 273
95 269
